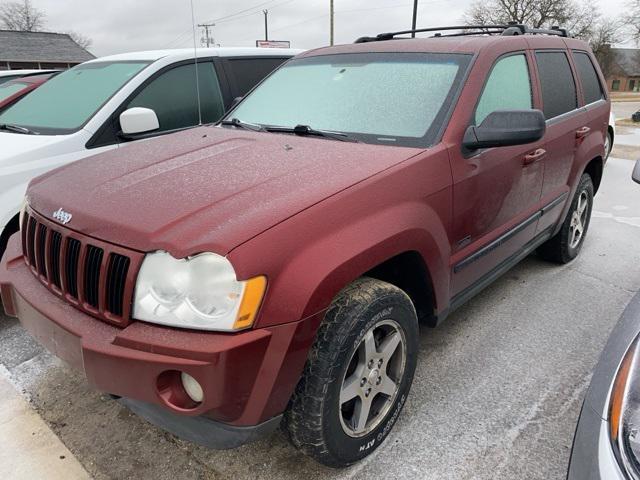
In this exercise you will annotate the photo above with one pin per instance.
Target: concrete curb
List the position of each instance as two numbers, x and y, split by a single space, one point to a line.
30 449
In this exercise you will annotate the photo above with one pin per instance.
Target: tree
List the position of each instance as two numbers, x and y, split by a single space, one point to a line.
579 18
82 40
21 16
605 33
632 19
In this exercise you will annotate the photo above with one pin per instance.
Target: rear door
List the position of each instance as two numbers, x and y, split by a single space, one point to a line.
565 123
593 93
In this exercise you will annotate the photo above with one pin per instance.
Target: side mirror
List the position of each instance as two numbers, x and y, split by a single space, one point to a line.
138 120
503 128
636 172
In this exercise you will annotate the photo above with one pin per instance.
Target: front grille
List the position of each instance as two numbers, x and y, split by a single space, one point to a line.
94 276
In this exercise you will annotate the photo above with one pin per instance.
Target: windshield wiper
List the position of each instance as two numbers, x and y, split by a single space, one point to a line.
236 122
305 130
16 129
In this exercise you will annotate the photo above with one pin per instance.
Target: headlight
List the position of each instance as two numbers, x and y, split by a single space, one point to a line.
624 412
199 292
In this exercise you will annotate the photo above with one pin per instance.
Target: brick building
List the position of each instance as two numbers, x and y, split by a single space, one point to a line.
624 73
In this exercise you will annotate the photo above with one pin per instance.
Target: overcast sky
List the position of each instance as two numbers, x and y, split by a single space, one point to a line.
118 26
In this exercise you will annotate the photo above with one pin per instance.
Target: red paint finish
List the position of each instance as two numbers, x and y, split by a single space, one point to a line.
311 215
30 83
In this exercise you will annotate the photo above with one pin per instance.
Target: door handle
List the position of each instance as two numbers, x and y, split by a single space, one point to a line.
534 156
581 132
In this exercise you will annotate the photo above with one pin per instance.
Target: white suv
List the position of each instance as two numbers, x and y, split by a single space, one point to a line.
106 103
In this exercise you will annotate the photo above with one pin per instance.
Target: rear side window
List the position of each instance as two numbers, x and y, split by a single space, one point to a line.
508 88
557 83
249 71
588 78
174 97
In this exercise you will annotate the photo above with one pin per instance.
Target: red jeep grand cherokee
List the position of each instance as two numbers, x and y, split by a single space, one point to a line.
272 269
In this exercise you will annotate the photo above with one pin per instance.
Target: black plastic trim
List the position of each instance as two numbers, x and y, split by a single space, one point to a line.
502 239
201 430
499 270
482 251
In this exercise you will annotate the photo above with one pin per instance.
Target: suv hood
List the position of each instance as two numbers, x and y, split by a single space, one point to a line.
17 147
204 189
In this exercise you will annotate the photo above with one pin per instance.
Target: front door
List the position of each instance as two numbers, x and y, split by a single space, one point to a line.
496 190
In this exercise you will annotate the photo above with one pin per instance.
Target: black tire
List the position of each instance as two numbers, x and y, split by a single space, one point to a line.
609 144
315 416
560 249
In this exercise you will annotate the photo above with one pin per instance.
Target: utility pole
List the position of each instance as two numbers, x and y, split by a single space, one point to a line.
331 22
415 17
209 41
266 24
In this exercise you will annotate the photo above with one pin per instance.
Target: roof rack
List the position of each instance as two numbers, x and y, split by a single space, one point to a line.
510 29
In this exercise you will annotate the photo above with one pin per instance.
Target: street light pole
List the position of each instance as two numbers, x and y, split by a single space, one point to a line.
415 16
266 24
331 22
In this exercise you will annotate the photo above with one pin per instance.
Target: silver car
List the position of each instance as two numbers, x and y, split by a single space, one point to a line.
607 441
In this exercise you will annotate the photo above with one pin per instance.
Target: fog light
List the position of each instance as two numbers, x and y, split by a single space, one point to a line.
192 387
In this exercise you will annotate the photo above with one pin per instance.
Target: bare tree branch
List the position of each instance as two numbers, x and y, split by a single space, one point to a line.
21 16
82 40
579 18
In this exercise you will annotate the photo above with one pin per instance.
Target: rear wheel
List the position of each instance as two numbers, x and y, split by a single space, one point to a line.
567 243
358 375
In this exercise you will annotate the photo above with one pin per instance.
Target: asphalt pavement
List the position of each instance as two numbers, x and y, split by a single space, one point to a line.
496 394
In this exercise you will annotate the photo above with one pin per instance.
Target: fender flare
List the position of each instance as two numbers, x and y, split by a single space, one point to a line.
315 271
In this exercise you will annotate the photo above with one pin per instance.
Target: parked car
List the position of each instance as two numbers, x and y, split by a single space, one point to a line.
112 101
611 135
605 446
272 270
14 90
8 75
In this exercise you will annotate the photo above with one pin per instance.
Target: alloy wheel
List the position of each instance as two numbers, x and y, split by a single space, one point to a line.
372 379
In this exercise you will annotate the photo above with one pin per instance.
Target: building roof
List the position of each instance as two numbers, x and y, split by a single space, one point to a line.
628 59
40 47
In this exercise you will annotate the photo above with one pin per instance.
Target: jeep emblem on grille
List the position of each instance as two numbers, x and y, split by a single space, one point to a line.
62 216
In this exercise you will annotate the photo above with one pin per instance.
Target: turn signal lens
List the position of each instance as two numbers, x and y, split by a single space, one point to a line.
253 293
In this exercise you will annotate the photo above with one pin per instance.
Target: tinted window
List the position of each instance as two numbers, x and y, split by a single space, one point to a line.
249 71
384 98
556 81
508 88
588 77
70 99
174 96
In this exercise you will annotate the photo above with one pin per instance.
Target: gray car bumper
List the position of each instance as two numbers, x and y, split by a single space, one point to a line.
592 457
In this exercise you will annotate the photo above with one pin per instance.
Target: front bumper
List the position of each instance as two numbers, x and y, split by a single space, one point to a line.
247 377
592 457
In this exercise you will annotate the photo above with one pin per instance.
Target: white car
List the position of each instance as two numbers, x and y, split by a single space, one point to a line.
611 134
106 103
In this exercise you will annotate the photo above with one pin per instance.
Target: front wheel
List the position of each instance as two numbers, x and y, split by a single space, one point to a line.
358 374
566 244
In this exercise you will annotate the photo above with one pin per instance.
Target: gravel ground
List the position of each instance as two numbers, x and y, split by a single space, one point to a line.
496 395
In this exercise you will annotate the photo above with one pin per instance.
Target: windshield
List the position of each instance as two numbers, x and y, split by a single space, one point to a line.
67 101
8 89
384 98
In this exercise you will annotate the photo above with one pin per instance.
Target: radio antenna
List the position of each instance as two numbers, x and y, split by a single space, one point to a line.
195 61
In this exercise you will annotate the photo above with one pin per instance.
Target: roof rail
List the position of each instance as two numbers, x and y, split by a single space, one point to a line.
510 29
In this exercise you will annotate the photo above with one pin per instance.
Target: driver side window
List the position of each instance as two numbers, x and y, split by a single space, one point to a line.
508 88
174 97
